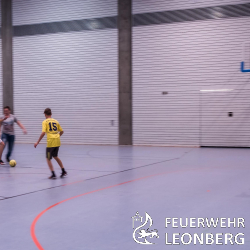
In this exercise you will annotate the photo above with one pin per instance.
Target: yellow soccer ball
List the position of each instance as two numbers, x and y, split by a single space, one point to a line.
12 163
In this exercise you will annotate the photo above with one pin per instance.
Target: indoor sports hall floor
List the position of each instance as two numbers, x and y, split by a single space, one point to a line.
106 185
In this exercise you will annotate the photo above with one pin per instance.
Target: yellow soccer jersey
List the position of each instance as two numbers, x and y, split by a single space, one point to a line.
52 128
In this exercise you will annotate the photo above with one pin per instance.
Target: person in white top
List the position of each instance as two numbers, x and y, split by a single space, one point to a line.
1 145
7 128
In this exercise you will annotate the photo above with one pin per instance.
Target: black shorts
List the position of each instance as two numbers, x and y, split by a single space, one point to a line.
51 152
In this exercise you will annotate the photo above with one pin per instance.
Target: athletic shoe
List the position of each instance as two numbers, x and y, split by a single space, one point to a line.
52 177
63 174
2 163
7 159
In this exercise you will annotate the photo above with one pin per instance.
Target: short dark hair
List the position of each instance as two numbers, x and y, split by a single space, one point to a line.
7 107
47 111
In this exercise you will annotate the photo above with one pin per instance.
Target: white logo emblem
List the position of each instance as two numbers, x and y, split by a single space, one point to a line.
143 234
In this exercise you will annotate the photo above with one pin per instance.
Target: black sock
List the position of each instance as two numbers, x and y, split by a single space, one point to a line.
53 173
63 171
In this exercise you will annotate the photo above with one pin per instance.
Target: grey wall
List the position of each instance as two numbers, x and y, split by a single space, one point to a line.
180 53
68 61
146 6
66 56
36 11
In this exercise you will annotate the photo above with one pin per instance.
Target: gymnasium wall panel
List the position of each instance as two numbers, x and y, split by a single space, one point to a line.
145 6
172 63
37 11
225 118
72 71
75 74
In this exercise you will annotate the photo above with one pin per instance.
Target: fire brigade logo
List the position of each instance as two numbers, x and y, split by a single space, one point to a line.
141 234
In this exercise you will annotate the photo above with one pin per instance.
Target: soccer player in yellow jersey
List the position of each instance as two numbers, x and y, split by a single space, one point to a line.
52 128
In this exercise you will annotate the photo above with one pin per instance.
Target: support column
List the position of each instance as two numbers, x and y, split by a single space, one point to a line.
125 71
7 33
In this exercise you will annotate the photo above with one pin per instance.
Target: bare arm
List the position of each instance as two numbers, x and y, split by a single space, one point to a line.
40 138
61 133
22 127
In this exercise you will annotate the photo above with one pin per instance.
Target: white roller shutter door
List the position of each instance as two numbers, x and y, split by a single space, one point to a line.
182 59
145 6
73 73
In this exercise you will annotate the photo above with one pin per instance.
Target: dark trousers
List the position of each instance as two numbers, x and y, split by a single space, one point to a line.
10 140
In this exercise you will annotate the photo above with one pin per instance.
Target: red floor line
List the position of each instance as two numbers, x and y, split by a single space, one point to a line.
33 225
